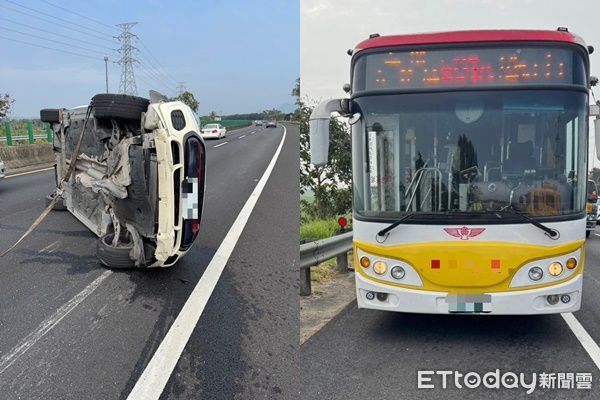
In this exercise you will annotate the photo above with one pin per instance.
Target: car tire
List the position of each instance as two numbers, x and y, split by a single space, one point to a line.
58 206
50 115
114 257
587 233
120 106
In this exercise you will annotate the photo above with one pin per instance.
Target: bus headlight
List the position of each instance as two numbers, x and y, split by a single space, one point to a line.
398 272
571 263
555 269
535 273
379 267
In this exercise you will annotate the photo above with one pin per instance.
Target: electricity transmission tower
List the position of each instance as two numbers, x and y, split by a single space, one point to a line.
127 60
180 88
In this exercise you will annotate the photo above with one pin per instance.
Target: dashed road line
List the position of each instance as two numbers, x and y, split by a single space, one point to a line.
46 326
51 247
28 172
219 145
243 136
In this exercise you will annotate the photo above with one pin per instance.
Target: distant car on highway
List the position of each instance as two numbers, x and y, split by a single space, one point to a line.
213 131
2 169
271 124
138 177
258 123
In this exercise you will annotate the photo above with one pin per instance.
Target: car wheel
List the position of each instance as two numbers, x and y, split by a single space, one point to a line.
51 115
122 106
58 206
587 233
115 257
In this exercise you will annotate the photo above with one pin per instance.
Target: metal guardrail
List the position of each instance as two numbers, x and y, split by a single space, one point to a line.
314 253
28 126
23 137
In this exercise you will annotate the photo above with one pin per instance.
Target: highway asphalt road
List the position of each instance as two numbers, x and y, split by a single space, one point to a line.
367 354
71 329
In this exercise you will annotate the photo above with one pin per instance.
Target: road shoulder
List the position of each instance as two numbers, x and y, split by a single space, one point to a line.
327 300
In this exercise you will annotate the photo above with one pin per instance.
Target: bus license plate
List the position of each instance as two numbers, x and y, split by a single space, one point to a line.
469 304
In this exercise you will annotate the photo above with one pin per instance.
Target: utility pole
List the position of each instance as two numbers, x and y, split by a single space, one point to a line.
127 50
106 71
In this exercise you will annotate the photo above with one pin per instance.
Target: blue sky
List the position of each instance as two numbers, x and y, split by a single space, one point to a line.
236 56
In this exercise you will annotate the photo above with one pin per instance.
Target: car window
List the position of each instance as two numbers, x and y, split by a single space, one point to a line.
211 126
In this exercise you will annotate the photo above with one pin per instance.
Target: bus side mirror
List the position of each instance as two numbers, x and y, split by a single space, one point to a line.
319 130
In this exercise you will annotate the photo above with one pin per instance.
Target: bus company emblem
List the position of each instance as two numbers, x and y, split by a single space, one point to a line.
464 233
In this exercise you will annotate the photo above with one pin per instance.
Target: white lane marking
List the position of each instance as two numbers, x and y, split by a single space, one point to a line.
28 172
51 247
596 234
584 338
243 136
156 374
252 133
222 144
8 359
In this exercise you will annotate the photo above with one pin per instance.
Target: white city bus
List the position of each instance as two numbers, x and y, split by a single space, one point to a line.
469 170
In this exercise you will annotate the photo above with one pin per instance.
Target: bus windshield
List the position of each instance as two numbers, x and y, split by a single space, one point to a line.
467 154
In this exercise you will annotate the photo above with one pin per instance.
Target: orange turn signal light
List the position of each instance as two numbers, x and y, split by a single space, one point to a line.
365 262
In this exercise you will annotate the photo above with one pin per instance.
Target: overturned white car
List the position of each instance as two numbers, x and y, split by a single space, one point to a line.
138 179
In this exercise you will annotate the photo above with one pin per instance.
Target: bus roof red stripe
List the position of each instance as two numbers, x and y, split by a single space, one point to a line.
470 37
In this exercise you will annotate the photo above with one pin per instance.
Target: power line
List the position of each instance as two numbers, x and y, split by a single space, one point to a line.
158 62
154 85
55 17
49 40
154 76
78 14
56 34
54 23
49 48
157 69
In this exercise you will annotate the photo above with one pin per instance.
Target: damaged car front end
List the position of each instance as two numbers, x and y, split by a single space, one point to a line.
139 176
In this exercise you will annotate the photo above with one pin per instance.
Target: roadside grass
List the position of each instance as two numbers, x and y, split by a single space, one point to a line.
318 229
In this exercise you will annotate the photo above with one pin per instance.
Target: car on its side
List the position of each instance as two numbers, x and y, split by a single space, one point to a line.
138 177
258 123
271 124
213 131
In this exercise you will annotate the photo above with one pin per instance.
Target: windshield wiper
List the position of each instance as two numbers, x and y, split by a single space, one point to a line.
394 224
552 233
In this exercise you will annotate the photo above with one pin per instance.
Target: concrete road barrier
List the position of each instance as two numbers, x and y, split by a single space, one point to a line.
16 157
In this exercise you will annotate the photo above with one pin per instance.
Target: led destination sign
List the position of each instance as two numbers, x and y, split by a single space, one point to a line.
467 67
